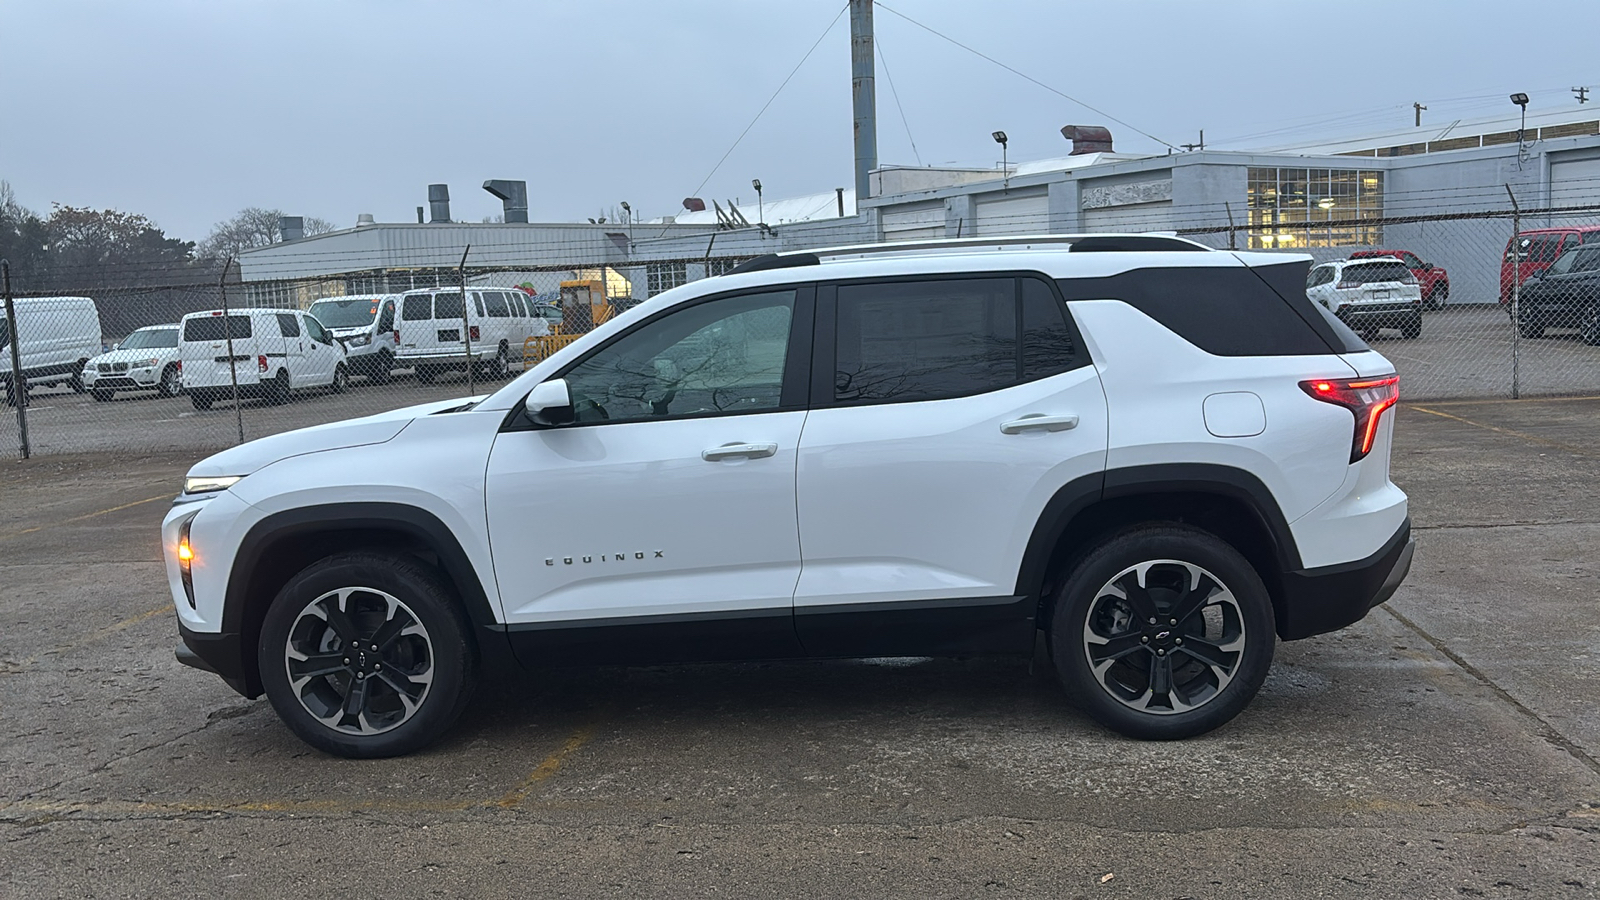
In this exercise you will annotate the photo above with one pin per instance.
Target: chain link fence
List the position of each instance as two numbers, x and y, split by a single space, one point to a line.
136 369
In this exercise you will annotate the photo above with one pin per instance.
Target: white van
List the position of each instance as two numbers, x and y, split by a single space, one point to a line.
275 352
57 335
498 321
365 324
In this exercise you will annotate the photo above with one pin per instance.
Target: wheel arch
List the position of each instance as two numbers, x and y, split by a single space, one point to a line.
1231 503
275 549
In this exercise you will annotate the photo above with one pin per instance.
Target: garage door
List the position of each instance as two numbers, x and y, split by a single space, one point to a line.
1575 182
1136 217
914 222
1014 212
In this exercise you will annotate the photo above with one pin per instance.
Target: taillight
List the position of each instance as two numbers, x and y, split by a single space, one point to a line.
1366 398
473 331
261 363
178 366
397 335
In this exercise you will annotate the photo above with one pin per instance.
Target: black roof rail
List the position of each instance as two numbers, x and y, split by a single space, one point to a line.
775 261
1122 243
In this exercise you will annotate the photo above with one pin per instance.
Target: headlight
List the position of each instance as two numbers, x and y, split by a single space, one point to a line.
146 363
359 340
209 484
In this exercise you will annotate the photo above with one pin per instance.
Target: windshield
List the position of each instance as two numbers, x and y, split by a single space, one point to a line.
345 313
1536 248
151 339
1582 259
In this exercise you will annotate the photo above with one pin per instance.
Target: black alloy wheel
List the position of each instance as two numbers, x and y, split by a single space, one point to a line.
1163 632
366 655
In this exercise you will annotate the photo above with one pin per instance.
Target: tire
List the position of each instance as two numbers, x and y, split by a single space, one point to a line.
1589 326
1233 626
171 382
1436 297
76 381
341 379
382 368
102 396
279 393
384 702
1411 329
201 399
1529 330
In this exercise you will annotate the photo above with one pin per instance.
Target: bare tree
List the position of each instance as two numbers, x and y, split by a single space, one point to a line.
250 228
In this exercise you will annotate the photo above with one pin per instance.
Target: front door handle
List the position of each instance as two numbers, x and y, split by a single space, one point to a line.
729 451
1039 422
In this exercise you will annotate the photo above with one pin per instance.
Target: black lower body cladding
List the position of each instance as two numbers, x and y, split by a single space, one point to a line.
1317 601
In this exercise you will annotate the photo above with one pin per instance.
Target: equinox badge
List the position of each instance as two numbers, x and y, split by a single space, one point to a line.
605 557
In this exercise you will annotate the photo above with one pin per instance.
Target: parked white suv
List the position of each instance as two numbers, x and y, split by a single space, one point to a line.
1369 294
1162 457
365 324
146 360
267 352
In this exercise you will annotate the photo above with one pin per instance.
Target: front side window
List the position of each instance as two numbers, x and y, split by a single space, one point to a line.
316 332
722 356
287 326
925 340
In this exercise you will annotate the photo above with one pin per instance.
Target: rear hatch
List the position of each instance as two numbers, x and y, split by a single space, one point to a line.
430 324
203 349
1378 282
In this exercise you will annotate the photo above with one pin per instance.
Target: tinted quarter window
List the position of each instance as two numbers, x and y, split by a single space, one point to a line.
287 326
1047 345
721 356
925 340
447 306
1223 310
210 328
416 308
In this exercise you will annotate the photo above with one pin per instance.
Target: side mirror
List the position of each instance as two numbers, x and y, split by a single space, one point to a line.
549 403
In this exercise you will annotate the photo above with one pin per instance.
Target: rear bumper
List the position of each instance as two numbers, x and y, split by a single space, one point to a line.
220 654
1317 601
1377 313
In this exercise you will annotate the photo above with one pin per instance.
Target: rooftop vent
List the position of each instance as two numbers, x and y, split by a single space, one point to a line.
1087 139
291 228
439 202
364 220
513 197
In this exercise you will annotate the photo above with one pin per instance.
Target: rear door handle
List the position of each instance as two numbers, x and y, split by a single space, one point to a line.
729 451
1039 422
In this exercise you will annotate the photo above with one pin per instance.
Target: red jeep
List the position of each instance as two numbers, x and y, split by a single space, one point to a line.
1537 248
1435 282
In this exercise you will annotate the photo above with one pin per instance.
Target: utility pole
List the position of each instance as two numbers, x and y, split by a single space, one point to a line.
1419 108
862 79
1199 146
1582 93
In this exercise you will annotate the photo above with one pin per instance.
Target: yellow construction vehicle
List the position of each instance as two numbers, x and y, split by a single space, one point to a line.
584 305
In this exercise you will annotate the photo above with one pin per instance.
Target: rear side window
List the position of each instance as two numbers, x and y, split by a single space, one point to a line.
416 308
1375 273
497 305
447 306
925 340
212 328
1048 347
1226 311
288 325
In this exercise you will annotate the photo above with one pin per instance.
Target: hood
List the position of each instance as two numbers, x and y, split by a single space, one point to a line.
255 455
128 356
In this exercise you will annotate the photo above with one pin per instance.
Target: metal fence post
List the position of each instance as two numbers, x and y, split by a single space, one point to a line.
1516 296
227 332
466 326
17 386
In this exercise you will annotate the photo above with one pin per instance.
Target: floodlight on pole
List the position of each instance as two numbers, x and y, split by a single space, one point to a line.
628 211
1005 164
1521 100
761 210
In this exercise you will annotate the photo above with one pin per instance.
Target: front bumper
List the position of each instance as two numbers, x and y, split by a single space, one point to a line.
131 380
220 654
1317 601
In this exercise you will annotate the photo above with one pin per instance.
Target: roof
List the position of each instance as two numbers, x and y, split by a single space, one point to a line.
1456 135
808 208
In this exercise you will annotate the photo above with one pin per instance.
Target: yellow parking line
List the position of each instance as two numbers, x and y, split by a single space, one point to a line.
99 512
549 767
1510 431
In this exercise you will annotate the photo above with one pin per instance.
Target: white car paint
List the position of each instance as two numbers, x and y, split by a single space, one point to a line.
134 368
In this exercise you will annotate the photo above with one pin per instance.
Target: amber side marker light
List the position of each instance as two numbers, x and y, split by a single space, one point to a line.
1366 398
186 563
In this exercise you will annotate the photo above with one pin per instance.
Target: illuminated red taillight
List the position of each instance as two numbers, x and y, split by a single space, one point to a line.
474 332
261 363
1366 398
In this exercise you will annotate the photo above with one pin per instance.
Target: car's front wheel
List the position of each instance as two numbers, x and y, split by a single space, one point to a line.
341 379
171 381
367 655
1163 632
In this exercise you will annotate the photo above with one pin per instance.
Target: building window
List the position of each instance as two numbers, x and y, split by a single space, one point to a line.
720 265
1291 208
665 276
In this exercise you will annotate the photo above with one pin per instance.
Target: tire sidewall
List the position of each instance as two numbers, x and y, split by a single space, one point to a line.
1112 556
454 659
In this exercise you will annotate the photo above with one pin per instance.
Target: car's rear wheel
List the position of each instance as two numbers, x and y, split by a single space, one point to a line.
76 381
171 382
382 366
367 655
278 391
341 379
1589 326
1162 632
1437 297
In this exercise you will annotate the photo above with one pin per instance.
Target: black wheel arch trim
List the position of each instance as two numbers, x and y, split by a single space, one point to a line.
412 521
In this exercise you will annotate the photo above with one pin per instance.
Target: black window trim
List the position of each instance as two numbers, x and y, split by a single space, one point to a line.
825 358
792 393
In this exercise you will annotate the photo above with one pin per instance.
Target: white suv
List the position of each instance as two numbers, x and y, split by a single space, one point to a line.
1160 456
1369 294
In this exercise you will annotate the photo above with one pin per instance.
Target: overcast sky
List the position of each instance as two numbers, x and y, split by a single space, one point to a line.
189 110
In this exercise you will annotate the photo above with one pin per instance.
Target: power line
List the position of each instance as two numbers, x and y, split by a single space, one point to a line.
878 42
1027 77
770 99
